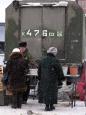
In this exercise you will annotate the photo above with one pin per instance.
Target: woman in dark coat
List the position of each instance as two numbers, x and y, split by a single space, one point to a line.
50 76
16 70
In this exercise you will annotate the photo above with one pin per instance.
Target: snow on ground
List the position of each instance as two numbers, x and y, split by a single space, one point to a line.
34 108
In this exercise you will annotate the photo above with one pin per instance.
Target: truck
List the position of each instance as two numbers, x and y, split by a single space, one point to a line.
43 24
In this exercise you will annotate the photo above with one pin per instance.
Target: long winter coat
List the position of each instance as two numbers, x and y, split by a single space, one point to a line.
50 75
16 70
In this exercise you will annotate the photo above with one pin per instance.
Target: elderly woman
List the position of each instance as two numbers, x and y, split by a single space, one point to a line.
50 76
16 69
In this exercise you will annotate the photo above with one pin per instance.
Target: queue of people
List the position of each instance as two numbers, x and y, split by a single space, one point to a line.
50 76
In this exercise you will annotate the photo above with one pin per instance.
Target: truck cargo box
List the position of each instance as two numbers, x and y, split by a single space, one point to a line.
46 24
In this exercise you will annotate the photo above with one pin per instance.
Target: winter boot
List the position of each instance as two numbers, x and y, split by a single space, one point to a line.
52 107
47 108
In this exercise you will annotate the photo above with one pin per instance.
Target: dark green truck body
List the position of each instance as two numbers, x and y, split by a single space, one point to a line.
43 25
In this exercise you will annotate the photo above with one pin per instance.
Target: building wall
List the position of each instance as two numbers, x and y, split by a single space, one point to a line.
2 37
82 3
2 32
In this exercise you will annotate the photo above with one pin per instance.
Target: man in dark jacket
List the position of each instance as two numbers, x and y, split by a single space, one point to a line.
27 58
50 76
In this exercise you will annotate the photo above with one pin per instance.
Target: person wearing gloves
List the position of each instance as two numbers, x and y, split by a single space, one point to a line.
50 76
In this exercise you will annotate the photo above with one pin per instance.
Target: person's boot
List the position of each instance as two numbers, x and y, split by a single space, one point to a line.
52 107
14 106
47 108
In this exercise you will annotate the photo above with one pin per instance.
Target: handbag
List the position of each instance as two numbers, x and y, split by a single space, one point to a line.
5 79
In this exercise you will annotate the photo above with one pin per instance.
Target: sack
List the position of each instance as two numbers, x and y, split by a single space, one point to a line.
5 79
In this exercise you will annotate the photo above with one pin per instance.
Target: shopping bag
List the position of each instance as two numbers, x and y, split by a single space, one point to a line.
5 79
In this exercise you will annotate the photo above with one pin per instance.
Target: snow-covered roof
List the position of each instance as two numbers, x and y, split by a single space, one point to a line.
60 3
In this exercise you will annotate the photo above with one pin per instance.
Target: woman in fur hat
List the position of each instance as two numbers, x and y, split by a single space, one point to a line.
16 71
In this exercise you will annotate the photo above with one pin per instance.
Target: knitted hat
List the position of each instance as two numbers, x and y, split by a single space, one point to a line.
16 50
22 44
52 50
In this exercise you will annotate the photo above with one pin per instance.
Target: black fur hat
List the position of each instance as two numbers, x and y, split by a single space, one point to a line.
22 44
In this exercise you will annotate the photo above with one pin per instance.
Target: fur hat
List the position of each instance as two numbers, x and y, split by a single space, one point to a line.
52 50
16 50
22 44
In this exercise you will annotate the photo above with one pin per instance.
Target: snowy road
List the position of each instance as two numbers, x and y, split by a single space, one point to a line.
33 108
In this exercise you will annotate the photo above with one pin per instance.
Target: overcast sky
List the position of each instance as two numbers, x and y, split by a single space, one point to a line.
3 5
